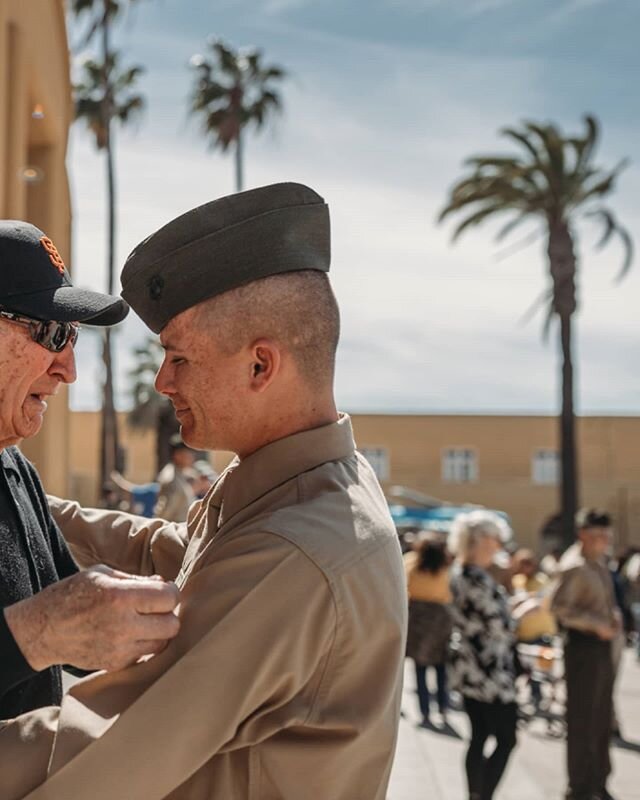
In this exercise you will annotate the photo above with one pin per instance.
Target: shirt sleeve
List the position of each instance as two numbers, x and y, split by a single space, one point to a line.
251 658
122 541
14 668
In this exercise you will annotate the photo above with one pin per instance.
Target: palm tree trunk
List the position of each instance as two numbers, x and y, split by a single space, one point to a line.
239 164
109 450
562 265
109 445
569 490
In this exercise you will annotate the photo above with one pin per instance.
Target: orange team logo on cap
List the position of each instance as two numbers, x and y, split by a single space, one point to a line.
54 255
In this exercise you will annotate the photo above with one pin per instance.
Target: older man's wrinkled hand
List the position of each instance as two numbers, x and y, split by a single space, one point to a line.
98 619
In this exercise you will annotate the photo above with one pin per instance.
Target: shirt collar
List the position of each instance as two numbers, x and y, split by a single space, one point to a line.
248 479
7 461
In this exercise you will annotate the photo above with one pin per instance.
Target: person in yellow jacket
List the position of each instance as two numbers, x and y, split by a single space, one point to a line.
430 625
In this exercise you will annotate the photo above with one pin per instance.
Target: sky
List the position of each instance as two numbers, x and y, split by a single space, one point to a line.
383 102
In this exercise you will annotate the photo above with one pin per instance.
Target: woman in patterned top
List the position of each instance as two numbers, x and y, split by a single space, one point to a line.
483 667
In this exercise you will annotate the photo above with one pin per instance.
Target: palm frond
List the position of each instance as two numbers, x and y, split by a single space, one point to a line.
103 95
273 73
232 89
130 108
612 227
544 298
517 247
585 146
552 162
603 184
100 13
546 328
126 78
552 178
477 217
524 140
148 405
524 216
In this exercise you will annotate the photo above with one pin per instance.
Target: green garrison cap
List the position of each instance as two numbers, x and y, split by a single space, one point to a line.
224 244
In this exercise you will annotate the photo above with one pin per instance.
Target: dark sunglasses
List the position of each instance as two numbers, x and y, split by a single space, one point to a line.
49 334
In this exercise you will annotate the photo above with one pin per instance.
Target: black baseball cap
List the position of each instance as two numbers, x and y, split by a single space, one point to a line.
34 281
593 518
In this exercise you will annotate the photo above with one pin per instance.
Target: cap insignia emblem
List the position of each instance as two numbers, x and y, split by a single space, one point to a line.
156 287
52 252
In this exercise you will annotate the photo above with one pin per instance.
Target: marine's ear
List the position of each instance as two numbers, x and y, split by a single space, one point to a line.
266 360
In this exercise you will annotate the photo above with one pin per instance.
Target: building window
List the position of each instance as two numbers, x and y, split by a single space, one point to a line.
459 465
545 467
378 457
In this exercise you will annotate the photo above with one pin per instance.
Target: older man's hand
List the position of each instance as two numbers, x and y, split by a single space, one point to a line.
97 619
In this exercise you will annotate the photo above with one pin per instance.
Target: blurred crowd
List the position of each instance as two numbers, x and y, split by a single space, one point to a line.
186 477
494 623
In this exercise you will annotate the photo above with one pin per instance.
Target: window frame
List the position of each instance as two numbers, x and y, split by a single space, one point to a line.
536 467
381 451
473 463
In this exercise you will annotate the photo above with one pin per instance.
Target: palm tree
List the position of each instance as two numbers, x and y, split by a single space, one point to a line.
151 410
103 95
231 90
554 180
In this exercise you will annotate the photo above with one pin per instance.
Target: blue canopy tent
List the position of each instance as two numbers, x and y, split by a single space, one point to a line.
436 519
427 512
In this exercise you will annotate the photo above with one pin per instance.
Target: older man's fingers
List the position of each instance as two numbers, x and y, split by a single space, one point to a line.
156 626
153 646
118 573
154 597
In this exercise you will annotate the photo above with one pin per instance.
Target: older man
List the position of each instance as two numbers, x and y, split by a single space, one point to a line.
285 678
584 604
92 619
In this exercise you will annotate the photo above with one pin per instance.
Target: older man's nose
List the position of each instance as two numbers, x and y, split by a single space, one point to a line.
64 365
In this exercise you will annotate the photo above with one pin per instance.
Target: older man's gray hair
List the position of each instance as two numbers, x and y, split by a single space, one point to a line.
469 527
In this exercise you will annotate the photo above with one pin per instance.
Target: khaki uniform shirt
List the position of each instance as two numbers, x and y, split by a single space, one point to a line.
284 682
583 598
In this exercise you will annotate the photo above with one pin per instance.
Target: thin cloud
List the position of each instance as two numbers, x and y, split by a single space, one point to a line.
570 7
282 6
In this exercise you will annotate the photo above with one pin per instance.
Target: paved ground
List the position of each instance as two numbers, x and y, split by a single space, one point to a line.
429 764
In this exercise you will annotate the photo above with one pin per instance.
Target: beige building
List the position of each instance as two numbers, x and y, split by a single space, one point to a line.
35 114
503 462
509 463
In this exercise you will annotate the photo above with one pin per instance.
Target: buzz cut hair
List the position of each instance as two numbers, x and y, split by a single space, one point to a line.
296 309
